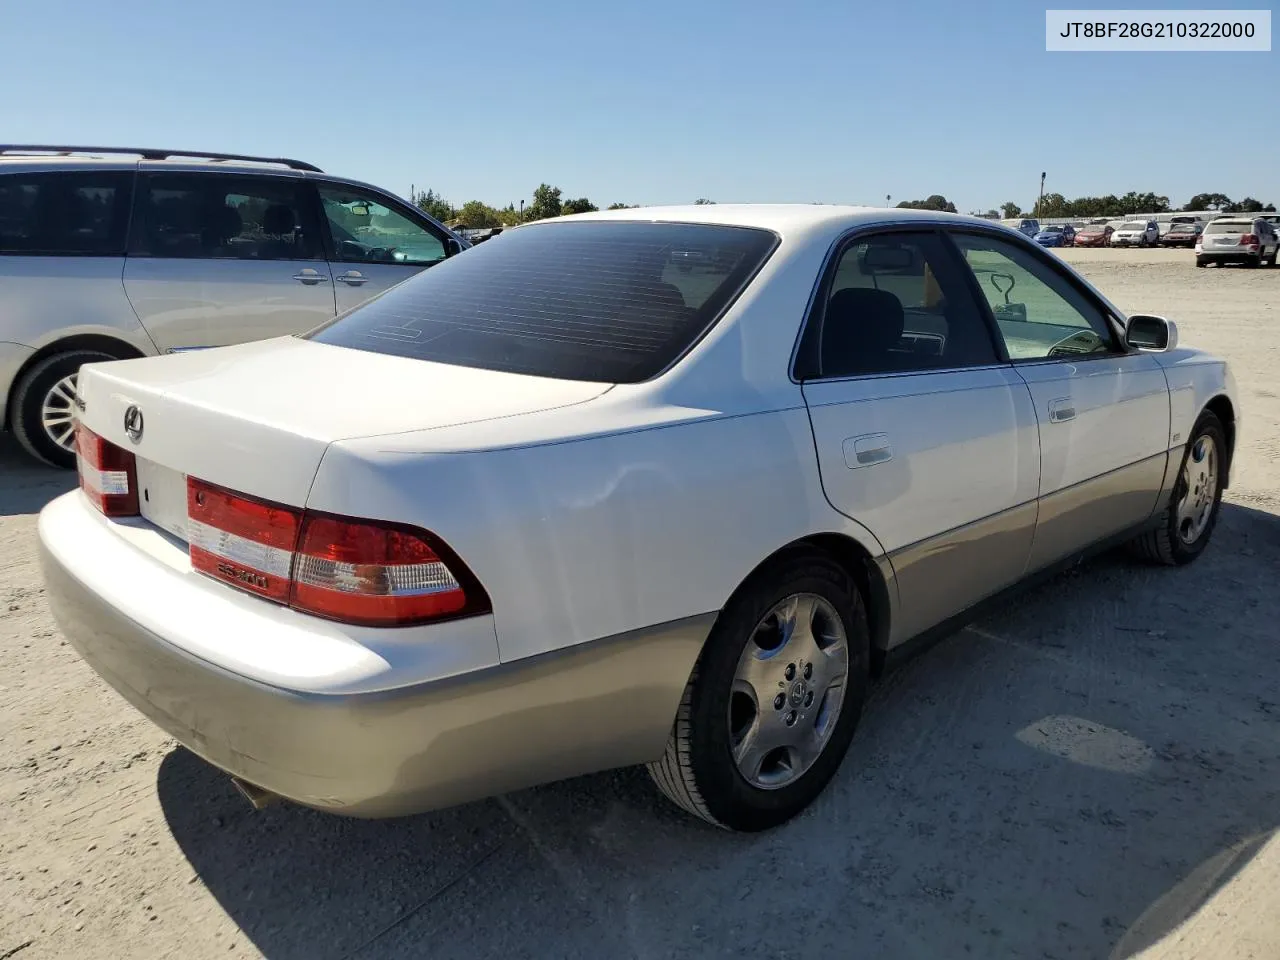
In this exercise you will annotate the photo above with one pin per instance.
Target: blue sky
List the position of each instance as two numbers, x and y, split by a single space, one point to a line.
649 102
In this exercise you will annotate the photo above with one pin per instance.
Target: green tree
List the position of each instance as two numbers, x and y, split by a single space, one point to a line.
933 202
434 205
581 205
1010 210
508 215
1208 201
620 206
702 202
1247 205
476 215
546 203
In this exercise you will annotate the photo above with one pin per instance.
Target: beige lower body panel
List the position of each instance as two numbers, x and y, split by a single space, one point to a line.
604 704
1083 514
939 577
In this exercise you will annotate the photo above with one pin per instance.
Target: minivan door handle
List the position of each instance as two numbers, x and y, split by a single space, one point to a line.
352 277
1062 410
309 276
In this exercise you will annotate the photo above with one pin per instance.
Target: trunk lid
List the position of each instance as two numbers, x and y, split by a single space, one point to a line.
257 418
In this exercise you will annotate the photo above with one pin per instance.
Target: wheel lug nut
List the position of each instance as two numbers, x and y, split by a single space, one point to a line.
791 671
808 670
791 718
808 699
779 701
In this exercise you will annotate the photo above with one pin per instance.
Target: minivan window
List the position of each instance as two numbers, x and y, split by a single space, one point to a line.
607 301
71 213
222 217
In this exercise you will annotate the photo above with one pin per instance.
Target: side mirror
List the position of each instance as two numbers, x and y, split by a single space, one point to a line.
452 247
1155 334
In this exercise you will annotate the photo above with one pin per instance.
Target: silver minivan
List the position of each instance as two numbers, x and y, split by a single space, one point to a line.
132 253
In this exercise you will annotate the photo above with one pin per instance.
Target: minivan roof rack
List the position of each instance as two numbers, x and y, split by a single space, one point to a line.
150 154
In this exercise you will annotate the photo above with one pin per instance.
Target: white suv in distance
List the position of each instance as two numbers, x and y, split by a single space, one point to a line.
1136 233
1249 240
136 252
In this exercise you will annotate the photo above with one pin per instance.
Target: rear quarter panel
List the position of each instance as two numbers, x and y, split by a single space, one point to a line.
587 538
47 299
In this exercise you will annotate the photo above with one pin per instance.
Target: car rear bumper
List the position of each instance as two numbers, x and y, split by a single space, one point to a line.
12 357
1229 256
603 704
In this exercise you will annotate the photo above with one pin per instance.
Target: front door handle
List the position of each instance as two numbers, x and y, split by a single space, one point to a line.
353 278
309 276
867 450
1062 410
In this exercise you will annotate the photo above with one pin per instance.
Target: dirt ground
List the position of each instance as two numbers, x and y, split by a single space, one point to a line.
1091 771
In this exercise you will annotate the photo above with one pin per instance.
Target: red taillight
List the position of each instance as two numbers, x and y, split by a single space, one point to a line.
1249 239
108 474
244 542
354 571
377 574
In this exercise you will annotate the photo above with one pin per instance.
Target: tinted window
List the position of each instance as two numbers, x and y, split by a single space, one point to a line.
897 304
1038 312
614 302
81 213
221 217
1228 227
367 231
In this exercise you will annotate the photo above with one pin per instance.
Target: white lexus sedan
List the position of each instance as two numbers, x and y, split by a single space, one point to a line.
654 486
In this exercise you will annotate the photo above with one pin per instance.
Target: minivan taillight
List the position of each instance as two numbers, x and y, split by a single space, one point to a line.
108 474
1249 240
354 571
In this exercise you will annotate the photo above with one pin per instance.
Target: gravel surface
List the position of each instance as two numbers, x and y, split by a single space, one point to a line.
1092 770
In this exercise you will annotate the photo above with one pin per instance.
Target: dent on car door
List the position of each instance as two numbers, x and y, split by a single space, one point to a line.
922 434
375 242
1102 410
216 259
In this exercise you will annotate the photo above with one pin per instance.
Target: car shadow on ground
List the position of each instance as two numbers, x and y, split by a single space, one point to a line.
1032 785
26 484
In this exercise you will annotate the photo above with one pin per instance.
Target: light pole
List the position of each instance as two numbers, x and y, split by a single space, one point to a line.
1040 200
888 200
522 213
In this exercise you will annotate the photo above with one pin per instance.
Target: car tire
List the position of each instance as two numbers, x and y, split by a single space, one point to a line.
1200 262
41 406
1187 522
723 720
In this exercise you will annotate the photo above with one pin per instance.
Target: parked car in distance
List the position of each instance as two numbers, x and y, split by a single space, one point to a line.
130 253
1181 235
1094 235
515 521
1252 241
1028 226
1136 233
1056 235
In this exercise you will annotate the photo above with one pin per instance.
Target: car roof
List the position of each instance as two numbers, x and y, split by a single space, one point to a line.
781 218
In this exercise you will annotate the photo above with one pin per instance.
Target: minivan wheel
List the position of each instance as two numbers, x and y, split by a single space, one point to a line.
774 699
1188 520
44 406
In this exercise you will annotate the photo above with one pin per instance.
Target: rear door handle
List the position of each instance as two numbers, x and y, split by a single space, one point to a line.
868 450
1062 410
309 276
352 277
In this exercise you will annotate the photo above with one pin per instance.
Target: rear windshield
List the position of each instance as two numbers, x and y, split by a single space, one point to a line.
609 301
1133 225
1228 227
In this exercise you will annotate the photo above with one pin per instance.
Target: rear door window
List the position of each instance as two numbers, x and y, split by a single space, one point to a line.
71 213
224 217
608 301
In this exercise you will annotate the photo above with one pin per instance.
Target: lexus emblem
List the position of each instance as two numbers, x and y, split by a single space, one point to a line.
133 423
